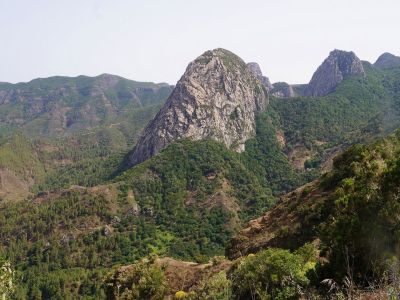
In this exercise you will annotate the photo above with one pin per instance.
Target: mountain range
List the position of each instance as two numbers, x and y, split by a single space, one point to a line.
100 174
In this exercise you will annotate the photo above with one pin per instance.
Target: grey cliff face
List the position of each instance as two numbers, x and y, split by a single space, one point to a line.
279 89
338 66
217 98
256 70
387 61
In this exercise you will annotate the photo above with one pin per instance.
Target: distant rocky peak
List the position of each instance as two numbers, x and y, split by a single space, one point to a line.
336 67
216 98
256 70
387 61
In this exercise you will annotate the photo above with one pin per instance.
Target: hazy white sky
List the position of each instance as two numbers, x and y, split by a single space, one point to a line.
154 40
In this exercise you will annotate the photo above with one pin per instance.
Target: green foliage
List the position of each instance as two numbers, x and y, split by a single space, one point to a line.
194 196
142 280
18 154
177 216
362 232
334 117
79 129
267 159
50 106
360 107
164 184
271 274
217 287
6 279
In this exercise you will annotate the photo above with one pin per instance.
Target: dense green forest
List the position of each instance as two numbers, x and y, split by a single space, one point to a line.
186 208
80 233
351 252
360 108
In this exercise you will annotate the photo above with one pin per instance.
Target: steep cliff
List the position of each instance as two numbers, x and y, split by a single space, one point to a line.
217 98
338 66
278 89
256 70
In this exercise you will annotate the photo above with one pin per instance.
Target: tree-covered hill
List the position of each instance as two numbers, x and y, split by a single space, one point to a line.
361 108
58 106
60 131
186 208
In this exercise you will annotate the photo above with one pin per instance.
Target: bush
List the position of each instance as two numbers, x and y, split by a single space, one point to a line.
218 287
142 280
363 233
271 274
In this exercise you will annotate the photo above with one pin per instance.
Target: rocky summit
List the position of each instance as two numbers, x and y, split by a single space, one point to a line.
338 66
217 98
256 70
387 61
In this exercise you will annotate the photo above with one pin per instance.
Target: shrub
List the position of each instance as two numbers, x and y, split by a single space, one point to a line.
142 280
181 295
218 287
218 259
271 274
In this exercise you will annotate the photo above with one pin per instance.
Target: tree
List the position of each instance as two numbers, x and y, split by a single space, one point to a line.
271 274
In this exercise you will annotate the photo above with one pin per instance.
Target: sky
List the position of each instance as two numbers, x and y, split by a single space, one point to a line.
154 40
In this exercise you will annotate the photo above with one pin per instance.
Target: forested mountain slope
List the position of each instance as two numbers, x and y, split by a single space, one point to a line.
334 238
186 208
361 108
85 211
351 215
70 130
57 106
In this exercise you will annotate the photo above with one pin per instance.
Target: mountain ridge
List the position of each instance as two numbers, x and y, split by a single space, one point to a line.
60 105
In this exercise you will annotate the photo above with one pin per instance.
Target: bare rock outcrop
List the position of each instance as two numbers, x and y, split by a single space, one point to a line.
217 98
338 66
256 70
